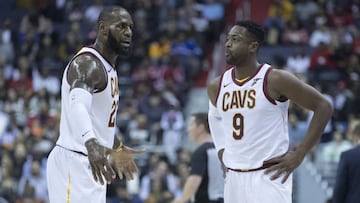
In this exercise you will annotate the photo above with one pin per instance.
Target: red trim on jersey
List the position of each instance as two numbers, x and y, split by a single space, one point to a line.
265 87
88 52
245 81
218 91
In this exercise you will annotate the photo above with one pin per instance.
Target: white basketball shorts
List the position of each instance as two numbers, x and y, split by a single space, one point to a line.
70 180
256 187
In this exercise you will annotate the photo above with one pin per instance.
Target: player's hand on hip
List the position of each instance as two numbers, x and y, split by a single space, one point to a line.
123 159
99 163
283 165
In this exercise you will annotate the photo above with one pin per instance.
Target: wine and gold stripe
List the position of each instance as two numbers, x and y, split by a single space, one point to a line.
68 191
242 80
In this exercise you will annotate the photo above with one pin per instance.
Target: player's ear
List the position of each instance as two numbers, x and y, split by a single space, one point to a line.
102 28
253 47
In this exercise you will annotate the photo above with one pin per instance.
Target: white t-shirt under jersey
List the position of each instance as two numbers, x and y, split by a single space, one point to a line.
103 108
255 125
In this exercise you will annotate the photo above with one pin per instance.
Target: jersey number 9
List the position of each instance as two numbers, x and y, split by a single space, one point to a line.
238 126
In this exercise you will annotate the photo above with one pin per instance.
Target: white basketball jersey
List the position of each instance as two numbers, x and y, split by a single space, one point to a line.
102 112
255 125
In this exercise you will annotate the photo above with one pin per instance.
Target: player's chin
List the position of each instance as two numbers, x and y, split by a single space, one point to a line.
229 61
125 51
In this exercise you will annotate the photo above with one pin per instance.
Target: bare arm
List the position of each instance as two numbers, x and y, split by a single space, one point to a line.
191 186
85 75
284 84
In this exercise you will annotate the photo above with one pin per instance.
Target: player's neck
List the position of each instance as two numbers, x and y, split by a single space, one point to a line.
205 138
105 52
246 70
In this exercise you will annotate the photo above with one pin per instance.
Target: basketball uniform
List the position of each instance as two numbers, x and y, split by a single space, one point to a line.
69 174
256 130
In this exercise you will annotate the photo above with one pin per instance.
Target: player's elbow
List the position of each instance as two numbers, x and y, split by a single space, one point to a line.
325 108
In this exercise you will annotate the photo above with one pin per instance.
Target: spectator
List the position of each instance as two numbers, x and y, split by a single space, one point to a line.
294 33
7 50
172 124
138 131
305 10
299 62
332 150
93 10
44 79
279 13
214 12
159 49
8 183
341 18
36 181
321 34
200 26
322 65
159 184
188 54
342 105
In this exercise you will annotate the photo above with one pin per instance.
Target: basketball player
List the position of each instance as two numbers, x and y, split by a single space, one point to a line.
205 183
248 121
78 165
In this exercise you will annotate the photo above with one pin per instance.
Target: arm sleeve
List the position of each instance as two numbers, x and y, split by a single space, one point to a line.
216 129
79 117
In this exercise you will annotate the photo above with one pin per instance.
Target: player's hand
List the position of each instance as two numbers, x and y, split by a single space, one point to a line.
284 165
100 166
123 159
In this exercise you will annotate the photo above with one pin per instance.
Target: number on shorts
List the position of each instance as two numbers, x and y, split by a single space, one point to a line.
238 126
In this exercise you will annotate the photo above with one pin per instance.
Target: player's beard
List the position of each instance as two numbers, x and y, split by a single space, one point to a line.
117 48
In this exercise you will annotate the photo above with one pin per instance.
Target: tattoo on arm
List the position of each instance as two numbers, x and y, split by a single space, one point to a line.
86 72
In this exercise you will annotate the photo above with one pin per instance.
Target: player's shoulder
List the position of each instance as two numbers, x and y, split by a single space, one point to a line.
279 75
86 58
214 82
274 72
86 63
88 68
213 87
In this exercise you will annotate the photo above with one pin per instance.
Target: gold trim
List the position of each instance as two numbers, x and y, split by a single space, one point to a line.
68 191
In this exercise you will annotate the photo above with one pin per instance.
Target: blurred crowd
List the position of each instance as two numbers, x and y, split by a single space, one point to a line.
173 44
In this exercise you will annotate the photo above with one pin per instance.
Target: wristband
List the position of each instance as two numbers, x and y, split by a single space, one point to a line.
120 147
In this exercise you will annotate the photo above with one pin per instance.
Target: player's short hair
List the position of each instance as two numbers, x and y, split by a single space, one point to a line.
255 30
106 14
202 119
